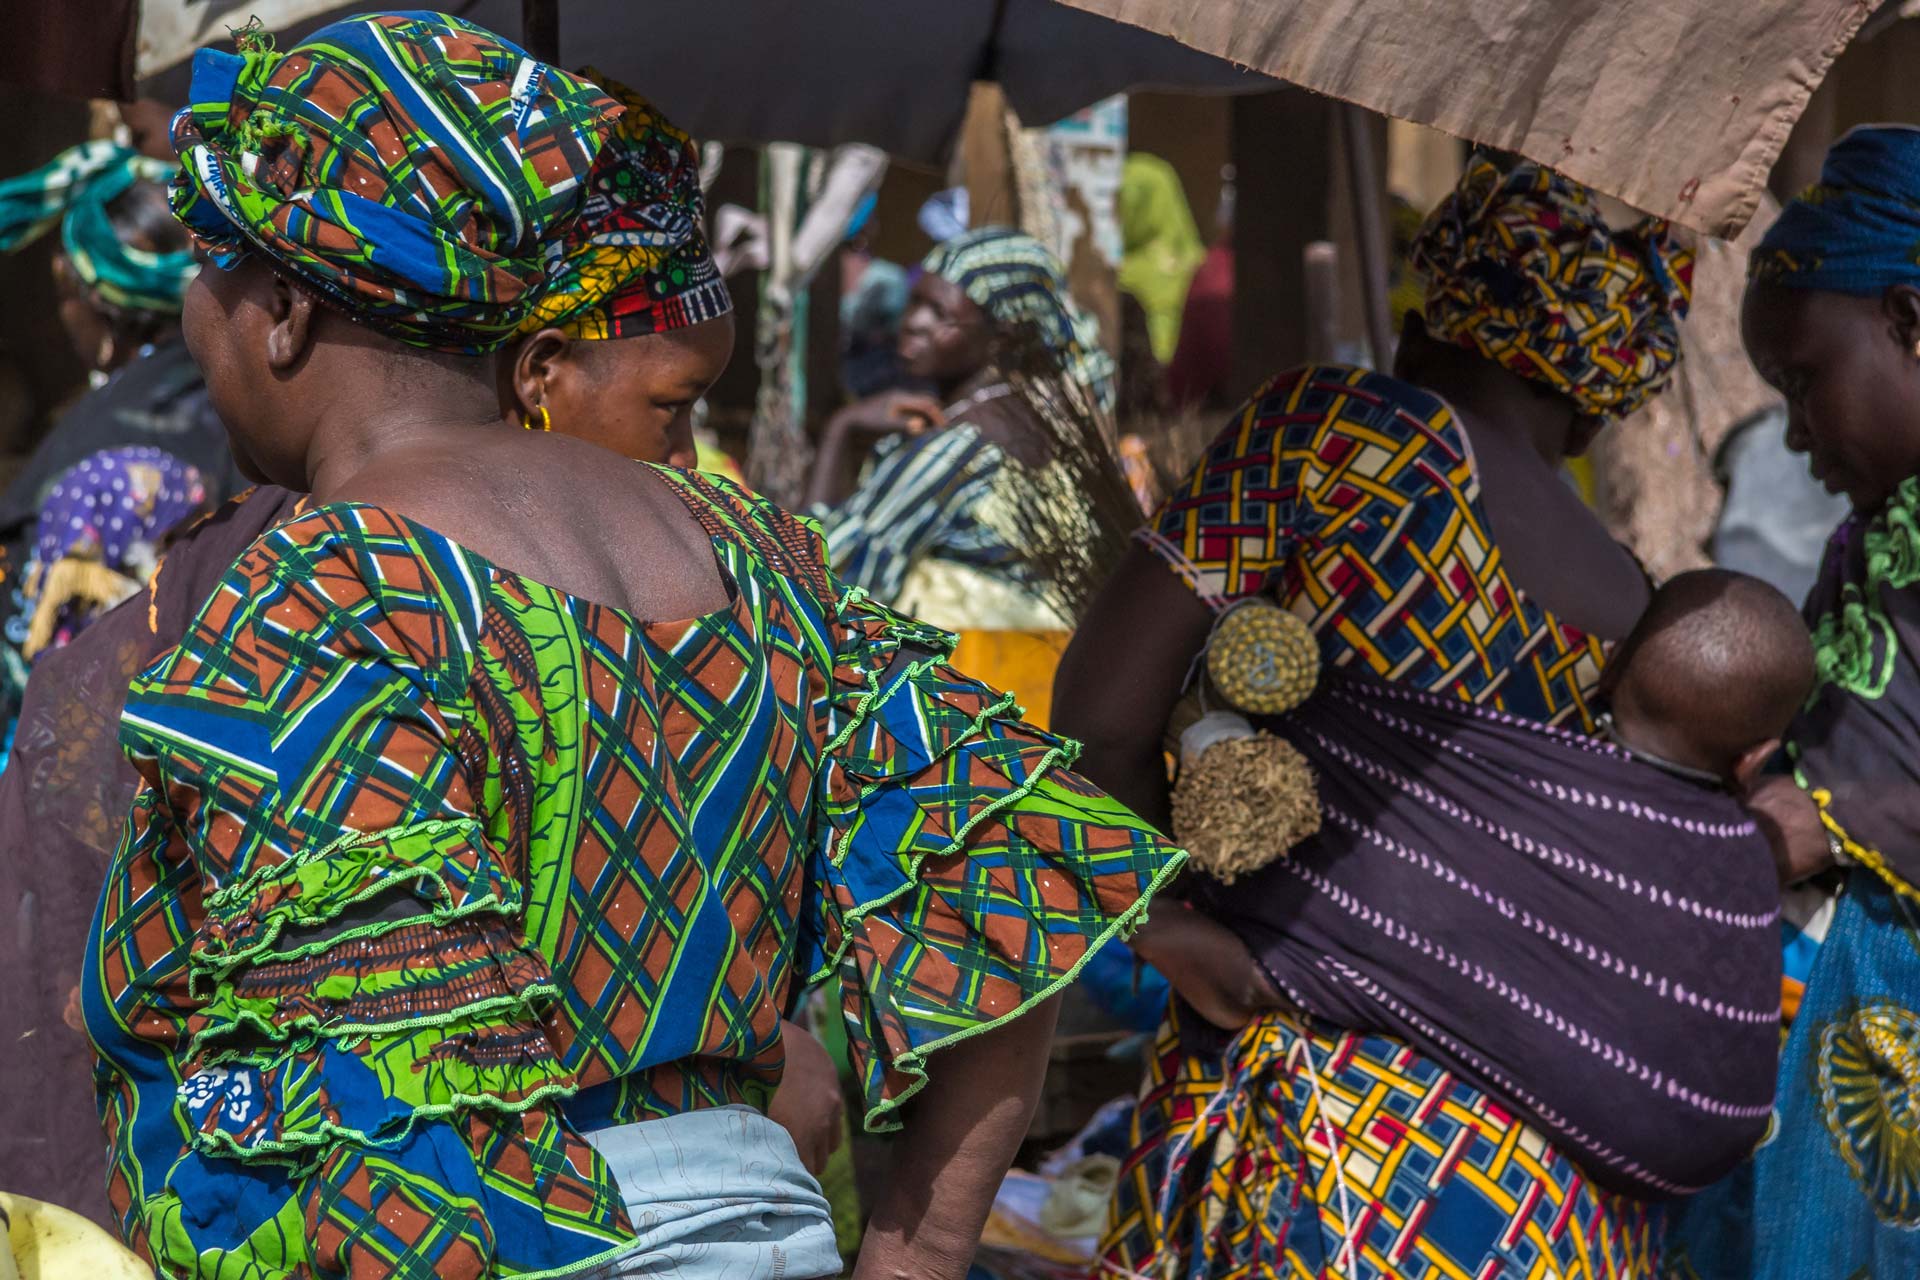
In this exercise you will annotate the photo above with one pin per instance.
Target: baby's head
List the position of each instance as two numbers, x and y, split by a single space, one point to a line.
1712 674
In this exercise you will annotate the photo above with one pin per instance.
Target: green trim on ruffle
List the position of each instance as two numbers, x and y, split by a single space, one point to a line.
210 959
1055 756
1062 753
242 1032
880 1117
999 711
239 1014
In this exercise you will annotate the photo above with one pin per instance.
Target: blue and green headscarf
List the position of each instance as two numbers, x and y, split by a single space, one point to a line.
74 192
1857 230
407 167
1022 287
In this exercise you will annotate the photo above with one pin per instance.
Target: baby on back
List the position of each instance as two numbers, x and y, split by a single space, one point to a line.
1586 931
1709 679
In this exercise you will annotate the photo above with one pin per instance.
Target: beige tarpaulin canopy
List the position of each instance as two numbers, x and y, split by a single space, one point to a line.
1678 107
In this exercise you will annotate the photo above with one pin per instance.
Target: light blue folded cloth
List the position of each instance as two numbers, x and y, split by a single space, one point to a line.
716 1195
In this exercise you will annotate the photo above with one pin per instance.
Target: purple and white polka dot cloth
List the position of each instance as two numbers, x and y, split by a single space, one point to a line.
113 501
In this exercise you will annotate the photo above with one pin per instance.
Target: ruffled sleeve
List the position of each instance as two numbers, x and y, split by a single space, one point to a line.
356 980
962 872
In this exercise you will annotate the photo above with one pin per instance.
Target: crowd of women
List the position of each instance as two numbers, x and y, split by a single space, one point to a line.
429 831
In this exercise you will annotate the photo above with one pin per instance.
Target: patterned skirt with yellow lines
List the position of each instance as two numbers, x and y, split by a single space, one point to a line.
1308 1153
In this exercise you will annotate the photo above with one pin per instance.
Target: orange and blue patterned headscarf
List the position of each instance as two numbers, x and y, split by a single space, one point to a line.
1857 230
407 167
1522 267
636 261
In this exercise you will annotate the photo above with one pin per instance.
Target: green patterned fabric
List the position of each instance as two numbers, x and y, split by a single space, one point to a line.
437 869
408 167
74 191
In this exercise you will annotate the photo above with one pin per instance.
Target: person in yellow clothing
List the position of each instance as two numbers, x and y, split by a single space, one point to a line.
1161 247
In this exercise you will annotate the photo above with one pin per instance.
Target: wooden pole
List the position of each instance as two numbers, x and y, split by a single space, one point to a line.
1369 229
540 29
1282 156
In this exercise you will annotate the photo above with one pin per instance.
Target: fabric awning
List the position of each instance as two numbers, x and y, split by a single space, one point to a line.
1678 107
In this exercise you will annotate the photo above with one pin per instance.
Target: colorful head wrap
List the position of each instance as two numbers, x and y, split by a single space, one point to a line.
74 190
1022 287
1522 268
1857 230
636 261
406 167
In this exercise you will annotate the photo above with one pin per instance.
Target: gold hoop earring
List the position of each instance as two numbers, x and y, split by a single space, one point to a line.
546 419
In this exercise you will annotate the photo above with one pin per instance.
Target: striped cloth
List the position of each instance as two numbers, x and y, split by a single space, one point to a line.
922 497
1592 942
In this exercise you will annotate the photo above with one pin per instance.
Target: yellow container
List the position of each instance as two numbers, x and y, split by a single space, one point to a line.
1020 662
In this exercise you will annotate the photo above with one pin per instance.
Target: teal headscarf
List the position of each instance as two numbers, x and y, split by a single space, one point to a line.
74 190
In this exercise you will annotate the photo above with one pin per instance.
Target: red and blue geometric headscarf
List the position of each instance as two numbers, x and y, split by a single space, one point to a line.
636 260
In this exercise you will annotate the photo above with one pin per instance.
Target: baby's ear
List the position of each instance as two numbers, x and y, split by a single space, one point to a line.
1747 770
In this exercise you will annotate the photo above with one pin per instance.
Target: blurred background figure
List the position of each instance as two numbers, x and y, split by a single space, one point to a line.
121 272
1200 372
1161 247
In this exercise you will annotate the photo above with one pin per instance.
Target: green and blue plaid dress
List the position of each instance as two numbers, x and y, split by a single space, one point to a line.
436 868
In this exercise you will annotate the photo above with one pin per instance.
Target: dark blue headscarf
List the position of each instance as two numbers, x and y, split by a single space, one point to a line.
1858 229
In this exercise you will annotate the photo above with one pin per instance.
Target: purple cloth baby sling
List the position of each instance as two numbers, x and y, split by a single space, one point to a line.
1590 940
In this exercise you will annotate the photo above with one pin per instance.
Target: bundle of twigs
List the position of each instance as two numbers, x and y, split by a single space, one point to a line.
1073 515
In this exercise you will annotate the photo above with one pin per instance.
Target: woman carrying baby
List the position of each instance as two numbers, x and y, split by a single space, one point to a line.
1832 319
1419 525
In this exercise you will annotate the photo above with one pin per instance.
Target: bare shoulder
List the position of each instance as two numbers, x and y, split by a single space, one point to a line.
558 511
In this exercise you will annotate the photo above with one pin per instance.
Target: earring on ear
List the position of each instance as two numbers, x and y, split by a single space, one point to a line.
546 419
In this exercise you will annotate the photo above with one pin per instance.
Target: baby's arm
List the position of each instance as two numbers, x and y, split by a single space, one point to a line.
1792 822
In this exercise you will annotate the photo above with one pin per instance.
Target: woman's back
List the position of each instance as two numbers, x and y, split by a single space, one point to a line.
1355 498
430 838
497 498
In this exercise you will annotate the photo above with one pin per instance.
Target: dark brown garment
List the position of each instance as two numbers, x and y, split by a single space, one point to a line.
63 802
77 50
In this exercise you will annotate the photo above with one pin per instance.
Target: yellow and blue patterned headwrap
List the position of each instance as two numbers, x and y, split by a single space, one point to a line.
1522 267
1857 230
636 260
74 190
